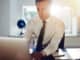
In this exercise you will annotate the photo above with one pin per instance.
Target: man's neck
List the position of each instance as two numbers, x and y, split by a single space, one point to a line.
45 17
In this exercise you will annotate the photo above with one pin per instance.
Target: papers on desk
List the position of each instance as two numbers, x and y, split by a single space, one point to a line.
74 53
60 53
70 54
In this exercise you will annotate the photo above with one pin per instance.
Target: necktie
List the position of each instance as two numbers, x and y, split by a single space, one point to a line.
40 38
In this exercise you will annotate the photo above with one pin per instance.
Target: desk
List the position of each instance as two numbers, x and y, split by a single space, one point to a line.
9 48
70 53
74 53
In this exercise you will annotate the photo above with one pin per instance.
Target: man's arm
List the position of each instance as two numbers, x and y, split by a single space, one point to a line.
52 47
28 34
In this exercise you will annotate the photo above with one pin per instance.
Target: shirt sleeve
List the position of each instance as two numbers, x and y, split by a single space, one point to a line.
28 34
52 47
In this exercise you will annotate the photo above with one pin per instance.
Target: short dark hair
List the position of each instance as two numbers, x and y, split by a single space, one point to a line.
39 1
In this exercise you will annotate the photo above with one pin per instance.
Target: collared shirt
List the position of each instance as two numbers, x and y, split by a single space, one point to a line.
54 31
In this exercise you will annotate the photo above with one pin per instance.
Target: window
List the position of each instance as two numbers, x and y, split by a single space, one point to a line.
62 12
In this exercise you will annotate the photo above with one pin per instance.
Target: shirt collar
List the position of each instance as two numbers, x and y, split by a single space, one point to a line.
48 19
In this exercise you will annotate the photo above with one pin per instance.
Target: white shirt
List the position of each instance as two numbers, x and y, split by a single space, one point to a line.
54 31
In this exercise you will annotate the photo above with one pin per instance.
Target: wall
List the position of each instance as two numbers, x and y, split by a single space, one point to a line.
78 25
10 12
4 17
16 13
73 41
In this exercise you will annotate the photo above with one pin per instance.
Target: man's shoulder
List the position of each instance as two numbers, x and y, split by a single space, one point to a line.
57 20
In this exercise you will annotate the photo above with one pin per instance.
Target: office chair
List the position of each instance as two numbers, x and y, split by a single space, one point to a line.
61 44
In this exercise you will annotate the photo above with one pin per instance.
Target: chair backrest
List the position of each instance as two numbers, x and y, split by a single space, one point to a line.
61 45
62 42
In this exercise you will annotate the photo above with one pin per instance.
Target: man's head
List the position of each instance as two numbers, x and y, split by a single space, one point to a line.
42 8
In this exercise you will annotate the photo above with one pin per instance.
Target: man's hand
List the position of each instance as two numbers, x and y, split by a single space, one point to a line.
37 55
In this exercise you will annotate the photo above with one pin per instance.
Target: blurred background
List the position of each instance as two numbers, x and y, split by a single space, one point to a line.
14 15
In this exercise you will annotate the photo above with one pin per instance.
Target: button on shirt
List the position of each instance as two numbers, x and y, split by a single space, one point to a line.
54 31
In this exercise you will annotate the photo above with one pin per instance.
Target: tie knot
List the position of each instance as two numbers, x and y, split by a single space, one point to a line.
44 22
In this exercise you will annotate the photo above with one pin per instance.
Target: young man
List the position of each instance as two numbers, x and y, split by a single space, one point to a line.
47 29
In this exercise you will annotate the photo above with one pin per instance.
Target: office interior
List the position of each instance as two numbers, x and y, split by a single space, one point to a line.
12 36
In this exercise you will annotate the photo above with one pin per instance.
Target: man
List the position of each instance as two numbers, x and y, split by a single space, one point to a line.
48 31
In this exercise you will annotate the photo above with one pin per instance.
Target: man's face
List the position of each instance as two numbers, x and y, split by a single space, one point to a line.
42 7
